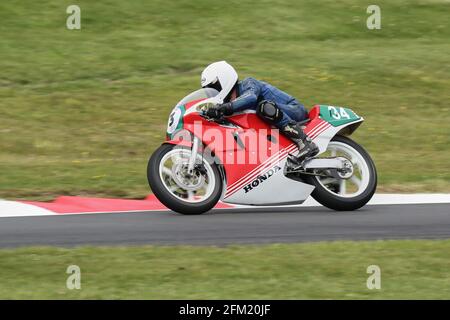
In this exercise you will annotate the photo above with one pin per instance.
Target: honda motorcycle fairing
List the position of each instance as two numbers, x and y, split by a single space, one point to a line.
257 173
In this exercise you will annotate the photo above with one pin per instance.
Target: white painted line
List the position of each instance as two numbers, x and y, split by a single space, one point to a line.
416 198
379 199
18 209
396 198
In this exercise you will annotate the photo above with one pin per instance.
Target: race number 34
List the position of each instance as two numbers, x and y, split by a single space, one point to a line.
338 113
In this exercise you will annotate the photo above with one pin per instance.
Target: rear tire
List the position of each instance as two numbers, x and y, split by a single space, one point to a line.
332 199
172 201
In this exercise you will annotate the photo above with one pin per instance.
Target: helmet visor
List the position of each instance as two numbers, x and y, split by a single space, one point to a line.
215 85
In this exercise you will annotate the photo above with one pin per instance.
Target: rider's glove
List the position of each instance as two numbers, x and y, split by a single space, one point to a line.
219 110
213 112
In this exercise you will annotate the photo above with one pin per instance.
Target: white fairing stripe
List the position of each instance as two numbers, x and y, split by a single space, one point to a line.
257 171
317 128
262 164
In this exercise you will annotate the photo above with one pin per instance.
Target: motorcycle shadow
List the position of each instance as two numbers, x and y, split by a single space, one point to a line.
289 209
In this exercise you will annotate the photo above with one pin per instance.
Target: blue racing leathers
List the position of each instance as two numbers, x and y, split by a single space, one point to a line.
252 91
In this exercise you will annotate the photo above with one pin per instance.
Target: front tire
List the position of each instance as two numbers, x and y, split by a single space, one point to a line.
168 183
333 192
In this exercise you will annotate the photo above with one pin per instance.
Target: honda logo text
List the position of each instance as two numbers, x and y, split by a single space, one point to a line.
261 179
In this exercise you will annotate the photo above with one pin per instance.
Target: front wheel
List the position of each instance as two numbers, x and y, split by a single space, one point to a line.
182 191
350 190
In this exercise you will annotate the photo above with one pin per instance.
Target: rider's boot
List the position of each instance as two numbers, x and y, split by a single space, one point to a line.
307 148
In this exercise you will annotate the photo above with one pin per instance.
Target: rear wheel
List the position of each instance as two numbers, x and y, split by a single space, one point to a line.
348 190
178 189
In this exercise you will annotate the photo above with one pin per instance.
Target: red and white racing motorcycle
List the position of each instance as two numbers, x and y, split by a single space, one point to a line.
241 159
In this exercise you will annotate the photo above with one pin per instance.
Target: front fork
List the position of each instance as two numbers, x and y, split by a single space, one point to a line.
194 152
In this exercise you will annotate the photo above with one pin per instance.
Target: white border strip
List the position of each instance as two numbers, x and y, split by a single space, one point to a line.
381 199
18 209
416 198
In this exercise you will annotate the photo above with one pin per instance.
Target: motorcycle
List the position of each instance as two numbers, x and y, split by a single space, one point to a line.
241 159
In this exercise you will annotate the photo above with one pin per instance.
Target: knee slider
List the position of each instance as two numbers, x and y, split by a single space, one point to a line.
269 111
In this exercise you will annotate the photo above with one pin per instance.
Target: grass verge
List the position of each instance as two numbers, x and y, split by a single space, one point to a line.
330 270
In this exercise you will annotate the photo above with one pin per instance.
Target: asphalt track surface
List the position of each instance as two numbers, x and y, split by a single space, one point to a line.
221 227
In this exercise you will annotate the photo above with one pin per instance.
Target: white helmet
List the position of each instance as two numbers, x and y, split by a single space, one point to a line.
220 76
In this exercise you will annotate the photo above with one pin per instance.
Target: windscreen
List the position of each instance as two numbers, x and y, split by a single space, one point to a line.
199 94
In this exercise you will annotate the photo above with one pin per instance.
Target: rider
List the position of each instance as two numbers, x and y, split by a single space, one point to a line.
273 105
